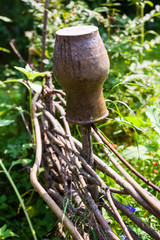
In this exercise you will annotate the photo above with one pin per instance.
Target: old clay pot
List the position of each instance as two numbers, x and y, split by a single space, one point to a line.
81 65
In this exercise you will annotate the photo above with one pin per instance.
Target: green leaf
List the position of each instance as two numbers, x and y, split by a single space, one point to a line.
151 32
4 50
17 81
149 3
111 4
136 121
94 234
105 214
26 71
5 122
5 19
38 74
27 145
153 113
5 233
28 68
31 75
136 152
156 14
36 86
4 227
20 161
101 9
129 124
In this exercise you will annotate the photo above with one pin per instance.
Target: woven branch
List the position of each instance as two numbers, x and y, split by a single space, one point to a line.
69 180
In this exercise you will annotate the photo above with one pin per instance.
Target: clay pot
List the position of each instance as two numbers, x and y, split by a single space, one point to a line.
81 65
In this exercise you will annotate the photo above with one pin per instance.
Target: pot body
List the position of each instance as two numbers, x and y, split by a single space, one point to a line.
81 65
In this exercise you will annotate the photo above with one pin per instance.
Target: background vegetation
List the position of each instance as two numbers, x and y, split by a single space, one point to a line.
130 32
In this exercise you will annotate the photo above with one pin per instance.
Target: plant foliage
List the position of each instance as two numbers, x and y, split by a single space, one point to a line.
131 92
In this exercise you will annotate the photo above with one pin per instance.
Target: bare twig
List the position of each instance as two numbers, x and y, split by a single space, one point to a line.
154 202
49 97
12 44
98 214
54 90
110 211
137 220
124 161
62 201
26 124
60 229
127 186
44 33
124 227
59 95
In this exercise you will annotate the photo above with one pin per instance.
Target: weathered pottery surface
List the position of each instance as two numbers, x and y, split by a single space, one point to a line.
80 66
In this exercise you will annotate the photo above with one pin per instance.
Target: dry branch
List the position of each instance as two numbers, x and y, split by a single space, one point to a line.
124 227
44 32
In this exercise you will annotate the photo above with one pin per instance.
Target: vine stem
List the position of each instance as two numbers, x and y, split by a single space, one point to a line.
142 31
44 33
31 115
121 222
19 198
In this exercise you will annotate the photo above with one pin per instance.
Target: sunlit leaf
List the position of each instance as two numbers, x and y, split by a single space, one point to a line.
4 50
5 122
153 113
149 3
136 152
20 161
28 68
157 14
5 233
101 9
127 123
25 71
111 4
5 19
36 86
151 32
17 81
136 121
31 75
